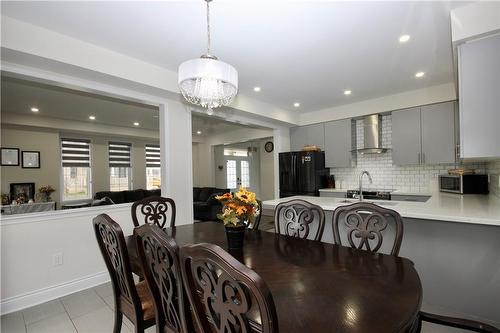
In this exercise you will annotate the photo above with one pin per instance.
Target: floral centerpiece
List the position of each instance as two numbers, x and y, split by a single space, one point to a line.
238 210
46 191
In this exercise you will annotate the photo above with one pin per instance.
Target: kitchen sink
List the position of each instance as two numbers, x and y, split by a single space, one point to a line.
380 203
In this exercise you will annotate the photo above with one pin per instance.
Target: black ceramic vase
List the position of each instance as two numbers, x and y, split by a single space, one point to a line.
235 237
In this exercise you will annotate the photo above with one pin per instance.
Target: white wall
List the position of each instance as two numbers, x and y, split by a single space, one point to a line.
429 95
266 172
475 19
28 243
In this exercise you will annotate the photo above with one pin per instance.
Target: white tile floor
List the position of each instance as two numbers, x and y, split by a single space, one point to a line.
92 311
87 311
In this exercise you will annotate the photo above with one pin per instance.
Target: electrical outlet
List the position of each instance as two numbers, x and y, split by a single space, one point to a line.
57 259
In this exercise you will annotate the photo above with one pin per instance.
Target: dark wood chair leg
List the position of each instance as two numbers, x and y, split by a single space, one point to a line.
118 321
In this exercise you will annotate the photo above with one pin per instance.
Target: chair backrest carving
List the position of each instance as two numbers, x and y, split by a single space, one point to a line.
364 225
222 292
159 256
114 251
296 217
154 210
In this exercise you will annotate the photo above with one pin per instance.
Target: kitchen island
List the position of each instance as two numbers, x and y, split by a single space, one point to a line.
453 240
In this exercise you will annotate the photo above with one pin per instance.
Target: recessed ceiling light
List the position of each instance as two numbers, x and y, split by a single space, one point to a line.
404 38
347 92
92 117
296 104
34 110
136 124
198 132
419 74
256 89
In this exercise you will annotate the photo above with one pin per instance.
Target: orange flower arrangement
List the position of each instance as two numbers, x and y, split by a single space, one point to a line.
238 208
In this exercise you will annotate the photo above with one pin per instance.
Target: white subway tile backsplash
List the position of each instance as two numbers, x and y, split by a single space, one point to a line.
415 178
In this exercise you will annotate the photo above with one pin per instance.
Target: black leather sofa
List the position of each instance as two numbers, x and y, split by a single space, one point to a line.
205 206
118 197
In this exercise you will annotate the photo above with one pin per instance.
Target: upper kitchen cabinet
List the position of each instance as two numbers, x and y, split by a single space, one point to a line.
424 135
438 133
307 135
338 143
479 98
406 144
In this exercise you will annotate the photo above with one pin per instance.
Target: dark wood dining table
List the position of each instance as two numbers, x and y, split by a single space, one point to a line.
320 287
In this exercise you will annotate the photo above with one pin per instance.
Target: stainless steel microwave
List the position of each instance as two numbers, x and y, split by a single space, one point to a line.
464 184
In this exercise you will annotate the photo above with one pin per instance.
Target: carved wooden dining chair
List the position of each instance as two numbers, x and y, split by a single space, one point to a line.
364 224
226 296
299 218
132 300
154 210
159 255
471 325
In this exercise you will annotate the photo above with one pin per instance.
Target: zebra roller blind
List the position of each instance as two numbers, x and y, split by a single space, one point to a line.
119 154
152 156
75 152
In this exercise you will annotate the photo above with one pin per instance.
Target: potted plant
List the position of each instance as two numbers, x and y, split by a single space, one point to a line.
237 212
46 191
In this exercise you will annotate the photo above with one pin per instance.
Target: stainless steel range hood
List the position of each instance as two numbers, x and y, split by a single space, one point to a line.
372 133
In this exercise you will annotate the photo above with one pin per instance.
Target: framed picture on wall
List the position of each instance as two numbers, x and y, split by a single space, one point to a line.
10 156
22 189
30 159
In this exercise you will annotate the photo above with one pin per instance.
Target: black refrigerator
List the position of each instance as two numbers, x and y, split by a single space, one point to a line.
302 173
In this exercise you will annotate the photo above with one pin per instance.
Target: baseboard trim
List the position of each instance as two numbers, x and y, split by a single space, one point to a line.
43 295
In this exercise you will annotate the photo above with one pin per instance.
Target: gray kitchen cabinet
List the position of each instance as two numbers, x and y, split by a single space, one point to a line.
307 135
438 133
338 144
424 135
406 144
479 97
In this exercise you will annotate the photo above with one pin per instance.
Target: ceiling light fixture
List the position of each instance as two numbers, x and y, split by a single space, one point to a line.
207 81
296 104
419 74
347 92
136 124
34 110
256 89
404 38
198 132
92 117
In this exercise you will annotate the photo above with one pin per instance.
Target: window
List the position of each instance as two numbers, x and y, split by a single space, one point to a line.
235 152
153 167
120 175
245 174
75 156
231 174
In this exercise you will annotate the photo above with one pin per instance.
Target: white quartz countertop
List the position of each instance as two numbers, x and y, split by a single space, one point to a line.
395 192
471 208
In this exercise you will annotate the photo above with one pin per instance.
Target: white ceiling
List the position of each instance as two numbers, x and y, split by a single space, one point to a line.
306 51
19 96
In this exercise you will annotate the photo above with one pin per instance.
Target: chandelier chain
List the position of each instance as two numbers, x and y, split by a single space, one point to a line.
208 28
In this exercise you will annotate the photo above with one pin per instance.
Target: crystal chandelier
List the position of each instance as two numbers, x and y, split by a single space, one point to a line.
207 81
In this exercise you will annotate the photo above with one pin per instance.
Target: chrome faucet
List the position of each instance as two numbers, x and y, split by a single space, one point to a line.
361 183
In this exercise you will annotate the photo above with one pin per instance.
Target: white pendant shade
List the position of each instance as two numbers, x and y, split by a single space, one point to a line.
208 82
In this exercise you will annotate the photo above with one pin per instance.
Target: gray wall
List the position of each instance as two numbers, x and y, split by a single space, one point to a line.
48 143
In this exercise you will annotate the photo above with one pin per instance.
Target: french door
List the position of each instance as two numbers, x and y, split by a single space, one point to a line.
237 173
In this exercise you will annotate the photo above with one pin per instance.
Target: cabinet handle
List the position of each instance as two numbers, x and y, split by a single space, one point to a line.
418 154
